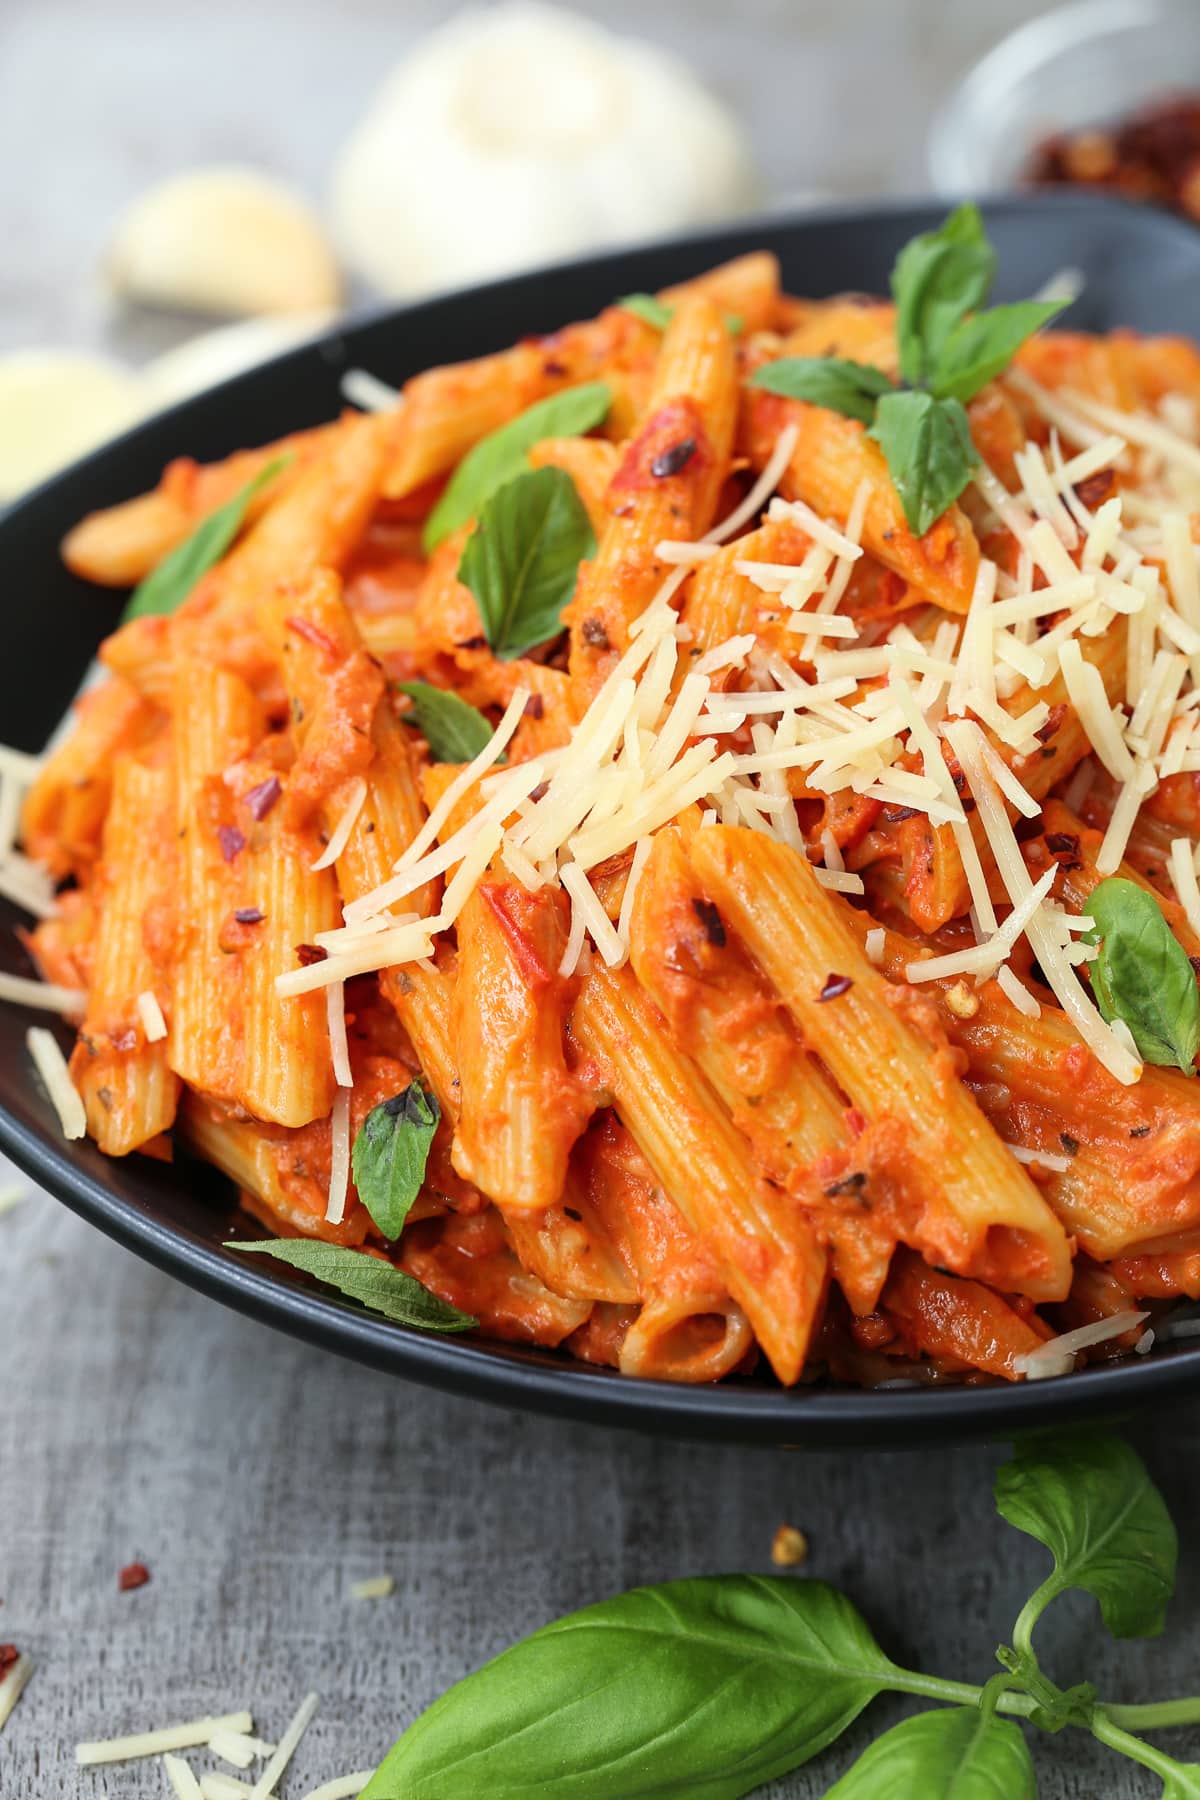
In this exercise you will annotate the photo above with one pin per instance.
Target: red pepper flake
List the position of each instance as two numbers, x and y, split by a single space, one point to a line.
125 1040
1062 843
231 841
1095 489
535 707
312 634
671 461
310 953
593 633
9 1655
1070 1144
710 918
835 986
262 798
133 1575
249 915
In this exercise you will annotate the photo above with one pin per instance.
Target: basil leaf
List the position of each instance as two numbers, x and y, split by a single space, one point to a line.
497 458
1089 1499
657 313
929 453
454 730
938 278
980 347
373 1283
850 388
1142 974
956 1754
703 1688
522 559
171 581
390 1153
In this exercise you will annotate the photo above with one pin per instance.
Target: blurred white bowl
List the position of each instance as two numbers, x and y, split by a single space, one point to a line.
1086 64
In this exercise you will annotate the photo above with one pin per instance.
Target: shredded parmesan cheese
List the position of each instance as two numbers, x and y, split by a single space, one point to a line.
343 1787
1057 1357
339 1157
376 1587
51 1065
154 1743
268 1780
151 1015
21 991
1049 1159
762 490
339 1048
367 392
1016 991
182 1780
239 1748
339 837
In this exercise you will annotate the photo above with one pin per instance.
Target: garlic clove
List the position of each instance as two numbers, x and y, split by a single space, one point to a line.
55 406
521 134
215 356
223 240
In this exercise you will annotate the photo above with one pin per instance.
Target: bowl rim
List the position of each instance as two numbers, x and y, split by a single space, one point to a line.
540 1380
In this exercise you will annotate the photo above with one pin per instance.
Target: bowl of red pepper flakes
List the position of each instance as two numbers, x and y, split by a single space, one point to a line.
1101 94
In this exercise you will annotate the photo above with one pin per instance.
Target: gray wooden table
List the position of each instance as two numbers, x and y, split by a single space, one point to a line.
258 1478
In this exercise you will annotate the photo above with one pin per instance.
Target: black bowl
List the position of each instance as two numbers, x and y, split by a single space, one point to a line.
1142 268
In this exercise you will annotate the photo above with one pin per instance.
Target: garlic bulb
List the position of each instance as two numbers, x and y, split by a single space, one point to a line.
223 240
56 405
201 362
521 134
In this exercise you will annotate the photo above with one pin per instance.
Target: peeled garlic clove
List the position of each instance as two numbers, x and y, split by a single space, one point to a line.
521 134
223 240
55 406
214 356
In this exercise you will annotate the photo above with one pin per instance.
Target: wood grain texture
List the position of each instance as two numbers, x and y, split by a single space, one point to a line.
258 1478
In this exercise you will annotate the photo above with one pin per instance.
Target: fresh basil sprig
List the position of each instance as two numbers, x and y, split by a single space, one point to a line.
1142 975
375 1284
656 312
704 1689
947 351
503 454
171 581
522 558
455 730
390 1153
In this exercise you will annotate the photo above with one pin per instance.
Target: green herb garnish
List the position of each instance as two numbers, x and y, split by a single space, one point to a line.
522 558
503 454
375 1284
656 312
390 1154
455 730
168 584
948 350
1142 975
707 1688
